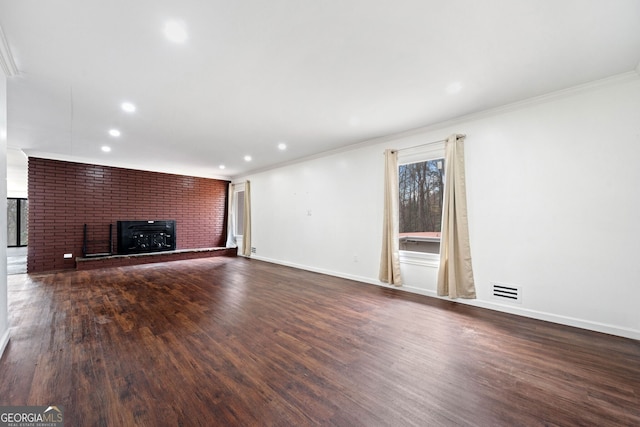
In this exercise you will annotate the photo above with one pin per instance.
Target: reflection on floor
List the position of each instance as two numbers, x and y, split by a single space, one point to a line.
16 260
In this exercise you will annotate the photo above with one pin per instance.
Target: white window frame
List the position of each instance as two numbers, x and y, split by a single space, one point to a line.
416 155
238 232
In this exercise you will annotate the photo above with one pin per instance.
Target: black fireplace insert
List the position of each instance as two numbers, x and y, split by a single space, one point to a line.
136 237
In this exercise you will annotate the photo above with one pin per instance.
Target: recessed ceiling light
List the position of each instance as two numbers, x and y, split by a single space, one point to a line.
128 107
247 158
454 87
106 148
114 132
222 166
175 31
282 146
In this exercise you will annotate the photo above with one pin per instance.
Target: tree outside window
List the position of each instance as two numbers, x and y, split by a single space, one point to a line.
420 206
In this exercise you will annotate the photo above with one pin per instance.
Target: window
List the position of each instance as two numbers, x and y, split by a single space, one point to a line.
17 217
420 205
239 213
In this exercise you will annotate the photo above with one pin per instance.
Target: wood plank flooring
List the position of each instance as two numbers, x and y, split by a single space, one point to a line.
237 342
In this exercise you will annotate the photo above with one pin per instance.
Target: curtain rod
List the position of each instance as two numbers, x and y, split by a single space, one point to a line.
458 136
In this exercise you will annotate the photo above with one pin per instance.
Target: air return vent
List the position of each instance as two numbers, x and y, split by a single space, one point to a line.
506 293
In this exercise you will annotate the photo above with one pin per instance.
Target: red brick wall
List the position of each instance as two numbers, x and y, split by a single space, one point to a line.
63 196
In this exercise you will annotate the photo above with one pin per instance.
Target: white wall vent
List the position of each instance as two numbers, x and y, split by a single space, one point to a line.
506 293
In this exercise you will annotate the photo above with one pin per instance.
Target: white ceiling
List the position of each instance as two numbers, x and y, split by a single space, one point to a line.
318 75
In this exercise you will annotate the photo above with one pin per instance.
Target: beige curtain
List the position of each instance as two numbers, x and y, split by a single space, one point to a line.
390 257
455 277
231 218
246 228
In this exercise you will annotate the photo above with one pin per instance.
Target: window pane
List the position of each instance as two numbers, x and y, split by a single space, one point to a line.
420 205
12 222
239 213
24 222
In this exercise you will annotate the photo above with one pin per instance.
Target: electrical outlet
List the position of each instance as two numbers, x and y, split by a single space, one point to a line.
253 250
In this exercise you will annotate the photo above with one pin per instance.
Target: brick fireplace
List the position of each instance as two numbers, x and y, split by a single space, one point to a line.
63 196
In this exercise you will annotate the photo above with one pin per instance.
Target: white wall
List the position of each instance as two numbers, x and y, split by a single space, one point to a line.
4 316
17 180
553 207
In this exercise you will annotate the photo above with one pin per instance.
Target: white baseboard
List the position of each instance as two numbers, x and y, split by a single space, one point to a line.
534 314
540 315
3 342
318 270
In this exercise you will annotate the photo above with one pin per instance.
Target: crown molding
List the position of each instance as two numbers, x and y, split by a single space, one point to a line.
623 78
618 79
7 63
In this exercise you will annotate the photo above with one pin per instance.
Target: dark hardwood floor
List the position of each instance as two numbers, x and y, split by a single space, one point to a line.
230 341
